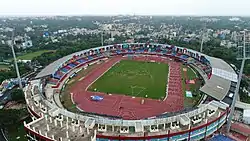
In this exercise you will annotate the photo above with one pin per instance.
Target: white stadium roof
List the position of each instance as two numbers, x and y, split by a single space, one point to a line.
219 83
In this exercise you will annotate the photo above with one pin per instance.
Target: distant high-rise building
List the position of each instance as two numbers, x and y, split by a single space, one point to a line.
23 42
234 36
234 19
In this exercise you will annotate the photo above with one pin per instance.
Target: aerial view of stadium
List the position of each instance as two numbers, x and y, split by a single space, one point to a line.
130 91
124 70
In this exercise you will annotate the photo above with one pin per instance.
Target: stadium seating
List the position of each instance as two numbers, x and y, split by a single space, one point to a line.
53 81
58 74
65 70
118 51
94 56
137 48
130 50
72 65
90 58
57 77
67 67
184 57
81 61
124 50
164 51
76 63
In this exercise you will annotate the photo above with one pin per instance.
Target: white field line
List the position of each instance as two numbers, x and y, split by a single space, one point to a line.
101 75
81 78
86 66
167 84
79 109
72 96
194 71
140 91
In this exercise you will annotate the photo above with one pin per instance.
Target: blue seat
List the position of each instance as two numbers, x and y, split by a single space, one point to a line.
81 61
130 50
164 51
90 57
71 65
64 70
118 51
57 77
184 57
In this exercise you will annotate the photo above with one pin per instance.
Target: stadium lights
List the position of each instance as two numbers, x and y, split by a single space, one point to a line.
202 38
243 58
15 60
102 38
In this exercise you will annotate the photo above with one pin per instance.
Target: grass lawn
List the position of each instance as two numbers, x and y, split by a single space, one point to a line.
4 67
30 56
191 74
194 88
134 78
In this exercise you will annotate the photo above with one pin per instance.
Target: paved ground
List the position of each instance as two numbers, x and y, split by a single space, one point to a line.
237 136
126 106
241 127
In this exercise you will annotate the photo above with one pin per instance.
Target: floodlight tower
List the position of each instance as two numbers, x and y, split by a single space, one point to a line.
204 31
243 55
202 40
15 60
102 37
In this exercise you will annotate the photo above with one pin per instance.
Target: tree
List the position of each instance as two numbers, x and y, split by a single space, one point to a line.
17 95
23 68
247 69
11 117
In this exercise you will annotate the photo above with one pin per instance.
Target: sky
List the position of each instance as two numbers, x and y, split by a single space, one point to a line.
124 7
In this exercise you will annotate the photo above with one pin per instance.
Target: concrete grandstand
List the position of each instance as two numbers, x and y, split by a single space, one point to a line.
51 121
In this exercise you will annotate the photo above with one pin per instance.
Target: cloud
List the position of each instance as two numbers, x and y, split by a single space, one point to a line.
114 7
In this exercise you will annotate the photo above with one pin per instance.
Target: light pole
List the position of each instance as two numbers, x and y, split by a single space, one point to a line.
202 38
15 60
235 97
102 38
243 58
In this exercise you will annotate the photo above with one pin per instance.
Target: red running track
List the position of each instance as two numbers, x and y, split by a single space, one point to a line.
242 128
131 107
237 137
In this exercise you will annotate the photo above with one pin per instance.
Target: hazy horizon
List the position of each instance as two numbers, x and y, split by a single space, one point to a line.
124 7
88 15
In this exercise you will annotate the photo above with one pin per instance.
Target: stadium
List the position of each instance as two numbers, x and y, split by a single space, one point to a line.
130 91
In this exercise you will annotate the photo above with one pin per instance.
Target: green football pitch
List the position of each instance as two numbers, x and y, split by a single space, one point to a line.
134 78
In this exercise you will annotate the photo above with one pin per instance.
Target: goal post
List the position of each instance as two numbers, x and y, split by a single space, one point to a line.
130 57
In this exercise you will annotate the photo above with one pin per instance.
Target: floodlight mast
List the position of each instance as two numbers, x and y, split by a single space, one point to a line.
15 60
202 38
102 38
232 108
